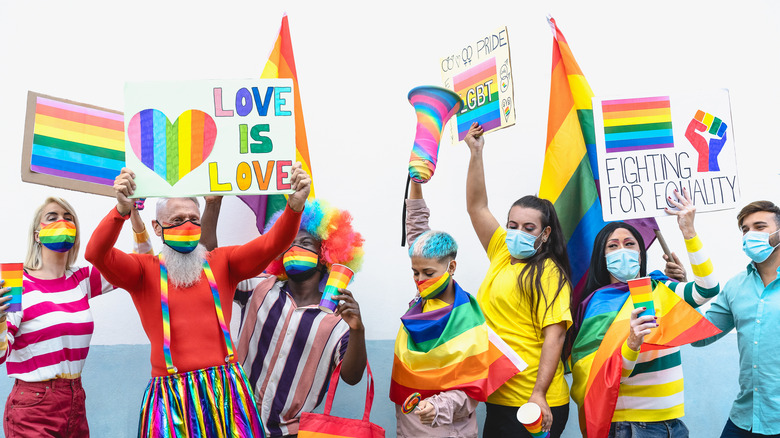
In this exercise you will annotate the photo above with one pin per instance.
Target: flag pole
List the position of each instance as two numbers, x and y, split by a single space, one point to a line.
664 246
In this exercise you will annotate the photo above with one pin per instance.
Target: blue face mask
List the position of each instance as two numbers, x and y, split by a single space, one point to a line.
756 245
623 264
521 244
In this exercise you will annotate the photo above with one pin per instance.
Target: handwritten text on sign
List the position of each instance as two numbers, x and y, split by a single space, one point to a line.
650 146
229 136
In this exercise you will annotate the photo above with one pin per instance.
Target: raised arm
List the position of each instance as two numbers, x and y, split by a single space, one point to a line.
208 222
417 214
141 242
705 285
483 221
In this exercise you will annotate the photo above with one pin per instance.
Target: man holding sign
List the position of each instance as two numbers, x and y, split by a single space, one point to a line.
197 384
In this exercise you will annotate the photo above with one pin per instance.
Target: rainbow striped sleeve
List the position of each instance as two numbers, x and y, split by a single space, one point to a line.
629 360
141 243
705 285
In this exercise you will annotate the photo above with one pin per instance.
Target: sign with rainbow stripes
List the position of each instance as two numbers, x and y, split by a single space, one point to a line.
651 149
481 74
72 145
225 137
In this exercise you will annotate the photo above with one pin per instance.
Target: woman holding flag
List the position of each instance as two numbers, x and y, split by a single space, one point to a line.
627 370
525 298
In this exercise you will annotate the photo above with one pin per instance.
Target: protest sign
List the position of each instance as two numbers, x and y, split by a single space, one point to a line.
650 146
481 73
215 137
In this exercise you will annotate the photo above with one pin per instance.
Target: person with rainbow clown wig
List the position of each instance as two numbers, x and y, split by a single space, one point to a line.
287 345
446 357
45 344
184 300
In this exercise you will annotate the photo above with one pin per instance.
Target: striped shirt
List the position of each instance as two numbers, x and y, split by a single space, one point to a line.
651 388
288 352
50 337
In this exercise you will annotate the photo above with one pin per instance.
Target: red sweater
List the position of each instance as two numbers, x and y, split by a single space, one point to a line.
196 338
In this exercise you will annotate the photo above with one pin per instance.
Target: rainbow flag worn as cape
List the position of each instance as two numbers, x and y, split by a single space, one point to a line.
450 348
596 359
570 172
281 64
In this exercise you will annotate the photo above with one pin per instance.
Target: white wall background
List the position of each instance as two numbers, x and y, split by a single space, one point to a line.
356 62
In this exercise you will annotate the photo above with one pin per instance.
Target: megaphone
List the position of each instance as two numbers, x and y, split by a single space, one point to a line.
434 107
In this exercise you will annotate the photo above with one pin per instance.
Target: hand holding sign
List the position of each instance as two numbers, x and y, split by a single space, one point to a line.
703 123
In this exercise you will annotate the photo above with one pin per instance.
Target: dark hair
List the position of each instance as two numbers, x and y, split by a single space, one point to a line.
530 278
755 207
598 275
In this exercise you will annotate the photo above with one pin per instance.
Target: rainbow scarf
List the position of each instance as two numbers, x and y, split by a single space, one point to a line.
182 238
58 236
596 359
450 348
298 260
167 318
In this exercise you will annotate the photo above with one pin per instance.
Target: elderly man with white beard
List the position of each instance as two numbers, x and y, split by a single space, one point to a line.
184 299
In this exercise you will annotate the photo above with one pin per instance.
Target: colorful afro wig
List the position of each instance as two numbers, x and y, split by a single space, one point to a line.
333 227
434 245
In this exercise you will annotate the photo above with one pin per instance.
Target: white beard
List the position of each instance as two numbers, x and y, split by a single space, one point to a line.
184 270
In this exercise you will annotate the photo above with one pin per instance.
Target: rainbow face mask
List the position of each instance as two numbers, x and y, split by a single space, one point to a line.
433 287
300 263
183 238
58 236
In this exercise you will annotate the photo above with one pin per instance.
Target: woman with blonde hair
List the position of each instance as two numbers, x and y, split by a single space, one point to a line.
46 343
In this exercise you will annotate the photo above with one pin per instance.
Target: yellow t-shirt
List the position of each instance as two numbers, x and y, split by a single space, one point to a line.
509 314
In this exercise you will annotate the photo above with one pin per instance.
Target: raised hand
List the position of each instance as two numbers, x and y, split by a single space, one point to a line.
124 187
706 124
685 212
474 138
300 181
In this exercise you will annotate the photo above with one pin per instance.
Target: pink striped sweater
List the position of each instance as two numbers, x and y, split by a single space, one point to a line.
50 337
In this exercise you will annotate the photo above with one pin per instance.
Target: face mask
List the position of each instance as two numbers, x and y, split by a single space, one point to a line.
300 263
521 244
623 264
756 245
433 287
58 236
181 238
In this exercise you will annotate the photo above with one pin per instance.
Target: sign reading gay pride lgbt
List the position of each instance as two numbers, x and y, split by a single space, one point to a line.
650 146
213 137
72 145
480 72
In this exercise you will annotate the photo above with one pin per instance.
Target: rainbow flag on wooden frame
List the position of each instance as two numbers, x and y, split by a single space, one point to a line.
281 64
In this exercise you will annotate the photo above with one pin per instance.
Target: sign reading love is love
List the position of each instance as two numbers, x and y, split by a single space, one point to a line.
225 137
651 145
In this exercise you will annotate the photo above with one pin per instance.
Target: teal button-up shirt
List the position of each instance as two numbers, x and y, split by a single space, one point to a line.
754 310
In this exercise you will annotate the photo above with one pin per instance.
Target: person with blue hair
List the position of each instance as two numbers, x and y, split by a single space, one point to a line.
441 335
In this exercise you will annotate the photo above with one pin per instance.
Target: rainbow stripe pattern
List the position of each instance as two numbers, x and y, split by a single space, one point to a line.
77 142
338 278
450 348
167 319
637 124
434 107
58 236
183 238
641 290
298 260
530 414
411 402
432 287
13 274
570 172
596 359
486 109
172 150
281 64
214 402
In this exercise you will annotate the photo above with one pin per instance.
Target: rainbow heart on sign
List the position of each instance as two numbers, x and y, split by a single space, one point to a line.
172 150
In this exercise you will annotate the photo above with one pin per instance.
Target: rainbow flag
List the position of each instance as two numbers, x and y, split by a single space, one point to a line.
13 274
450 348
483 109
596 359
570 173
637 124
281 64
77 142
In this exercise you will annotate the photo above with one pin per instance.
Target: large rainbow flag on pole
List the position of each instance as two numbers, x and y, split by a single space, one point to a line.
570 173
450 348
281 64
596 359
